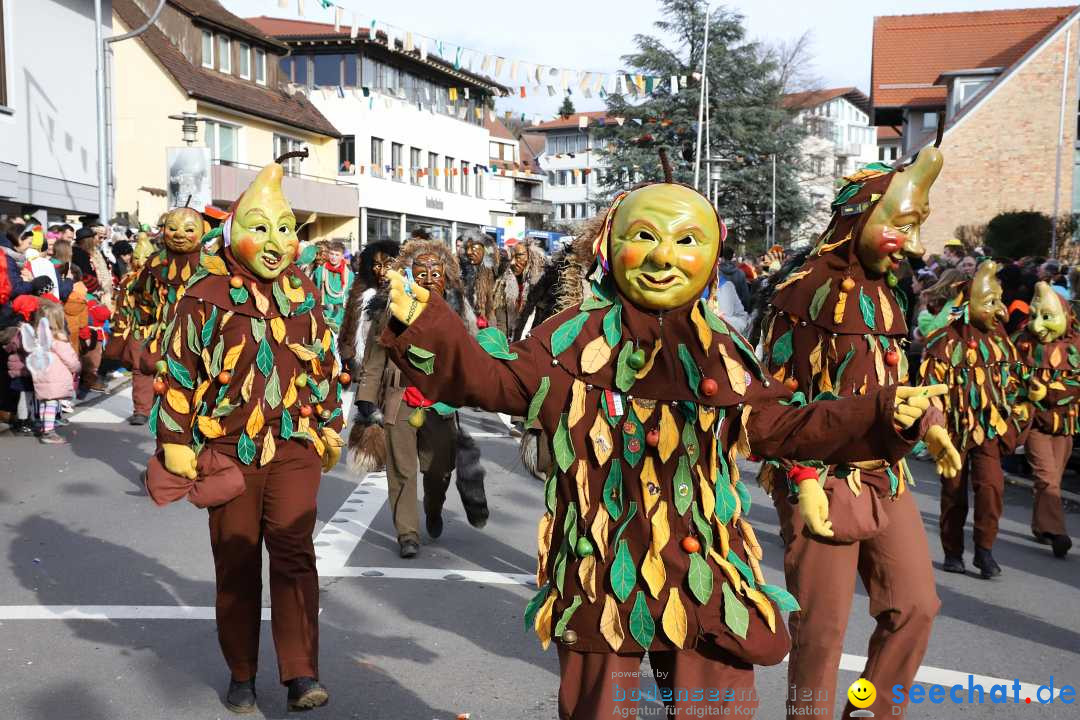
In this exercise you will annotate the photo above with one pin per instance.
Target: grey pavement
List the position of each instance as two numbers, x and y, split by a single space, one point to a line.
79 535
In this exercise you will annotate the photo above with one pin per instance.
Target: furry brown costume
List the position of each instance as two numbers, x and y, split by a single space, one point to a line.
354 305
511 291
479 281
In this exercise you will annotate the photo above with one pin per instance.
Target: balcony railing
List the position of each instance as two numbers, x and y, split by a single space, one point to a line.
306 193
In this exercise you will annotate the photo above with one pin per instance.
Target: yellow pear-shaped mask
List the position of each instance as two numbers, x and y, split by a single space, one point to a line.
183 229
262 230
1048 319
985 308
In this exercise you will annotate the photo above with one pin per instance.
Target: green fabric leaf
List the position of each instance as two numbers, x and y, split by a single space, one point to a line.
703 527
700 578
715 323
563 445
783 348
223 408
749 358
744 496
258 329
683 486
594 303
612 419
866 306
624 374
690 442
319 390
1074 356
535 604
239 295
537 402
193 337
180 373
818 300
690 367
984 350
282 300
565 335
307 255
264 359
1038 355
744 569
570 531
631 512
894 482
560 567
564 619
152 422
308 304
901 300
167 420
272 393
634 441
642 626
846 193
613 491
245 449
725 502
613 325
217 357
550 487
602 296
495 343
842 367
957 354
198 275
623 574
736 616
421 359
783 599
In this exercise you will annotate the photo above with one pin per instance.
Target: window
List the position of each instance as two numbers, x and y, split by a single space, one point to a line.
572 174
838 167
464 178
817 165
300 69
350 70
551 176
327 70
346 155
414 166
221 139
376 157
243 61
448 171
260 67
929 121
479 181
284 144
432 165
395 161
207 49
224 54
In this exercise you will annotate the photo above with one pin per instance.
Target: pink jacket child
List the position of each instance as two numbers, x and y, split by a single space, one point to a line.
50 362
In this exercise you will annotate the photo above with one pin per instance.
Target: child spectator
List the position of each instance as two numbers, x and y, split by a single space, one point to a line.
55 383
25 419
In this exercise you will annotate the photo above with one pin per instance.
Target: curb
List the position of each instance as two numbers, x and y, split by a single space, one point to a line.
1021 481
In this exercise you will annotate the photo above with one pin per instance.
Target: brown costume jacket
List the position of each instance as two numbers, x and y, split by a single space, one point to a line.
1057 366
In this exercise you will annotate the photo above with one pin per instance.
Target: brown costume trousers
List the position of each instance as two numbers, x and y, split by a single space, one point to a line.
896 572
982 470
91 361
430 448
1048 455
603 685
278 506
142 392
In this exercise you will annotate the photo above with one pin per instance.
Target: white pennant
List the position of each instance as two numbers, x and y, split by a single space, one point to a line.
337 19
355 31
674 84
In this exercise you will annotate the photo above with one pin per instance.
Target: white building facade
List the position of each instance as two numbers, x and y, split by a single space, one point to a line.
572 164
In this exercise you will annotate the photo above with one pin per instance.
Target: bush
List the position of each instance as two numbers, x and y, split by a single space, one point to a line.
1020 233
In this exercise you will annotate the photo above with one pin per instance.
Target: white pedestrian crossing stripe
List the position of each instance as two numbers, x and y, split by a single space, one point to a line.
110 410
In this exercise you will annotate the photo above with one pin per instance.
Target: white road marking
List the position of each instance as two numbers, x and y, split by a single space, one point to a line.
411 573
488 435
947 678
113 410
339 537
110 612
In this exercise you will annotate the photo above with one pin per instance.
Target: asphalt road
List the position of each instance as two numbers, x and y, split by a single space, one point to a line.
106 601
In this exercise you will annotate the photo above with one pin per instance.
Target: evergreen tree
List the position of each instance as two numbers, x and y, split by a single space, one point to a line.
748 123
567 107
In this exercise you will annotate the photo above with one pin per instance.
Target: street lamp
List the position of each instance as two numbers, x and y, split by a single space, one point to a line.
190 126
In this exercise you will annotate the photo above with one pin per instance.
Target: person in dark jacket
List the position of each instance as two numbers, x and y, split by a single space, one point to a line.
731 271
14 248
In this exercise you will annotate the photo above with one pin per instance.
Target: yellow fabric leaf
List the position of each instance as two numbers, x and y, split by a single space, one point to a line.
277 329
704 332
172 269
544 530
317 442
542 624
879 362
577 403
650 489
302 352
289 397
674 618
176 346
268 449
262 303
723 538
1055 356
210 427
708 498
751 538
1056 385
761 602
255 421
736 374
582 479
780 374
599 532
206 359
815 359
595 355
649 363
653 572
213 264
755 566
327 339
980 376
998 355
314 326
587 576
643 408
661 531
669 434
838 309
742 445
232 355
732 573
793 278
297 294
706 415
886 308
978 435
331 438
199 393
600 435
185 273
225 320
611 624
825 247
249 381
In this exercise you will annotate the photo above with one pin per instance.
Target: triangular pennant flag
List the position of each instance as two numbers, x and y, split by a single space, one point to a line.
408 42
300 8
423 50
583 121
337 18
499 62
513 70
355 31
674 84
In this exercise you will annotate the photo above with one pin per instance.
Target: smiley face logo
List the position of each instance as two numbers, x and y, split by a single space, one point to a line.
862 693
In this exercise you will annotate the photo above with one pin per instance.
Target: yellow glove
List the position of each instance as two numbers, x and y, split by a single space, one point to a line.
1036 391
332 443
1022 412
814 508
912 402
946 458
180 460
407 299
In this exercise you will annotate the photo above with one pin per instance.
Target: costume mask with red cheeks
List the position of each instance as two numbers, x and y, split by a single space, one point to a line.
183 229
262 231
985 308
892 231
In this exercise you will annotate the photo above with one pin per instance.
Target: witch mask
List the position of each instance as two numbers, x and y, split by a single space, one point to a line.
262 231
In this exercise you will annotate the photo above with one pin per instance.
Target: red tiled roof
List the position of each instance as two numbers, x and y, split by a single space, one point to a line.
212 12
531 146
561 123
497 129
231 92
813 98
911 51
887 132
